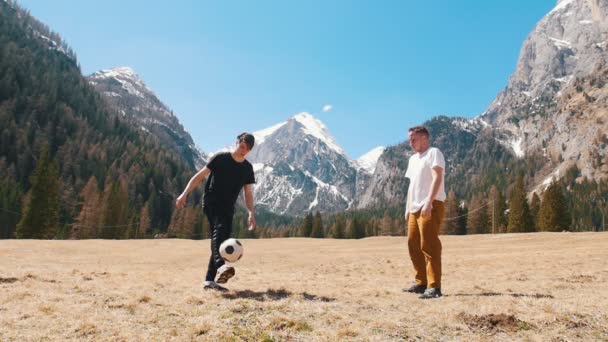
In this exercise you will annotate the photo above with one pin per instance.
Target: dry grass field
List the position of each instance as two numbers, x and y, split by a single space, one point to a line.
542 287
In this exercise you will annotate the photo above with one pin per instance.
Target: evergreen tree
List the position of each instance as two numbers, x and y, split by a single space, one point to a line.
317 226
462 219
535 209
553 215
186 223
399 225
176 225
496 211
306 227
520 219
451 226
199 226
87 222
10 205
191 220
355 229
371 227
338 228
144 222
115 210
477 217
40 218
386 224
133 227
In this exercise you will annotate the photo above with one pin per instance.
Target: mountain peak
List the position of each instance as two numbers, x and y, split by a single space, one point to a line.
117 72
304 116
126 76
317 129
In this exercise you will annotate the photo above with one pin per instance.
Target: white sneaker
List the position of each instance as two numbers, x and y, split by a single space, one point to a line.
211 285
224 273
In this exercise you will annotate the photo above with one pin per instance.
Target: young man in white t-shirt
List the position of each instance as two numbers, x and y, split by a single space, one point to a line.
424 213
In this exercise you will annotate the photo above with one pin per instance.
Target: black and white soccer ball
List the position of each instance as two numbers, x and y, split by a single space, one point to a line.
231 250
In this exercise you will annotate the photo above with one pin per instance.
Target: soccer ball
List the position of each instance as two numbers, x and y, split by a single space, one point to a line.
231 250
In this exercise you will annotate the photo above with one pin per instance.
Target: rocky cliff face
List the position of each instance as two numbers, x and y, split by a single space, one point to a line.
555 106
127 93
556 101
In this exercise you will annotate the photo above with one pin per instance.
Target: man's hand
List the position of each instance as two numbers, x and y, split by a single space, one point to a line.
251 221
181 201
426 209
407 217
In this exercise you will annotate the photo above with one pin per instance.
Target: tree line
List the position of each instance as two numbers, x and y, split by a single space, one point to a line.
106 212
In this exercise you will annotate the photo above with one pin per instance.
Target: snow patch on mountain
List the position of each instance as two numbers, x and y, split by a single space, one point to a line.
261 135
369 160
128 79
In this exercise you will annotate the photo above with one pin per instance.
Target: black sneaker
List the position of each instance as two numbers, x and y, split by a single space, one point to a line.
431 293
415 289
211 285
224 273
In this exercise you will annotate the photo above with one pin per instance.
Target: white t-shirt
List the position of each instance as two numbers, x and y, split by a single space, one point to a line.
421 177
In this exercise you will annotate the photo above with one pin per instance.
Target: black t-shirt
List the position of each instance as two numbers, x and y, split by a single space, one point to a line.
226 180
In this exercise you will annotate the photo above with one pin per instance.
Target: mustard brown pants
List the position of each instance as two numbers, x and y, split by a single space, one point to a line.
424 245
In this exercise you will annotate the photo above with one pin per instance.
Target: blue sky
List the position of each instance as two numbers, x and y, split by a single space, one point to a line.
230 66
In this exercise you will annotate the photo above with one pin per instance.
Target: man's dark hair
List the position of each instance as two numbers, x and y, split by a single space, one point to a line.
420 130
247 138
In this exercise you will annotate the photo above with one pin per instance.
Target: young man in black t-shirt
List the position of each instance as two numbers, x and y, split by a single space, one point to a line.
228 173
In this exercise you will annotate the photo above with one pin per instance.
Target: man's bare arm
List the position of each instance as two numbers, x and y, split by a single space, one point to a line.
192 184
250 205
437 174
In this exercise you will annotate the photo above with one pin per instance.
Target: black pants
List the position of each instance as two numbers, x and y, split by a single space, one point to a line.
220 224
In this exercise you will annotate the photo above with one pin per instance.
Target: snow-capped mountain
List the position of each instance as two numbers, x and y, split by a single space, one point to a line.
553 106
125 91
369 160
300 167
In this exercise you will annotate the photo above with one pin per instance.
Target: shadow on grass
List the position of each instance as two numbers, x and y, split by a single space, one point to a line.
313 297
494 294
8 280
260 296
271 294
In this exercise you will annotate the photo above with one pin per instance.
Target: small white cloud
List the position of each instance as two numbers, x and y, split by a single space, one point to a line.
327 108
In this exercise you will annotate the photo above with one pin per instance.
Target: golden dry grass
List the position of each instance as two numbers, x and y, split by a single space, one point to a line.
545 286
